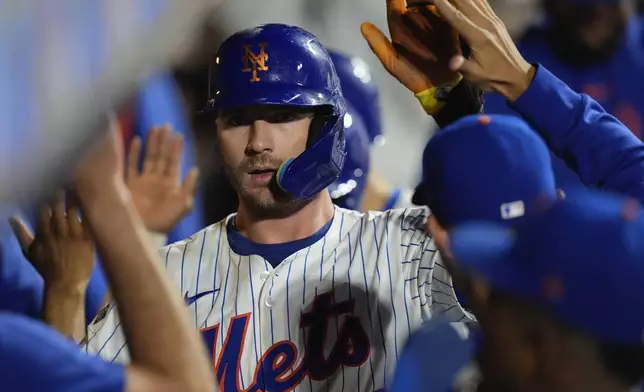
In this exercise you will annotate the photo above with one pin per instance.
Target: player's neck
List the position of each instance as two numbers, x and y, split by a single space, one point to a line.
301 224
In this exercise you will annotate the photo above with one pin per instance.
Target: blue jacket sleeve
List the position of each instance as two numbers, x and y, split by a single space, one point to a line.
602 151
21 287
36 358
565 177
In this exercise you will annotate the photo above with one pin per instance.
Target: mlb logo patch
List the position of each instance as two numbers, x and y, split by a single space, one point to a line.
513 210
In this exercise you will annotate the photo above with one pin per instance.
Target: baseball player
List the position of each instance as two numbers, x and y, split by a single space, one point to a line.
594 46
348 190
36 358
361 92
507 166
540 329
292 293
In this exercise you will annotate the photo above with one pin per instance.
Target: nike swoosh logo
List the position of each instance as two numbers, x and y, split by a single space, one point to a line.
191 300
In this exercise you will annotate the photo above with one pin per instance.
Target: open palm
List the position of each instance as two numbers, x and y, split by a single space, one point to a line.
157 191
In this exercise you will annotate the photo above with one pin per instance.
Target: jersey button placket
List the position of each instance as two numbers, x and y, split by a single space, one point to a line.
264 306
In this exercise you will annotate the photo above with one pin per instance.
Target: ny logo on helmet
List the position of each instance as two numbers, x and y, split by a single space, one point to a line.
255 62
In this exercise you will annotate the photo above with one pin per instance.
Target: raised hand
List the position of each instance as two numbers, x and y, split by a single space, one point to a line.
157 192
103 161
62 250
496 64
421 45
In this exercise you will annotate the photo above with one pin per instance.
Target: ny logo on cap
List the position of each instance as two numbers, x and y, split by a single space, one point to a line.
255 62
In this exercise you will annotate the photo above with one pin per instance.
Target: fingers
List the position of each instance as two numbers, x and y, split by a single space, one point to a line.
133 157
471 9
165 134
407 39
173 158
43 222
395 6
190 186
471 70
379 44
74 224
459 21
58 214
485 9
24 236
60 218
151 151
162 151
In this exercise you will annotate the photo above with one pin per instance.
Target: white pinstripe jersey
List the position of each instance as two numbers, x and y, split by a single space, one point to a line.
332 316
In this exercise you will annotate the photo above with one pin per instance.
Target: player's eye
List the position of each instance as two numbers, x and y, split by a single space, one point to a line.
236 120
282 117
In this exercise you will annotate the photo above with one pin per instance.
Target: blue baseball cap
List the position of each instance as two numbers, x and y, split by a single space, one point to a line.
490 168
435 356
582 256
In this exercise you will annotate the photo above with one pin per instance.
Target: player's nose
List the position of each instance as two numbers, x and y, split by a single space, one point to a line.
260 137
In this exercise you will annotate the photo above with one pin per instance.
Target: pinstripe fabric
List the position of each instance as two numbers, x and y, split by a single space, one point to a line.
385 262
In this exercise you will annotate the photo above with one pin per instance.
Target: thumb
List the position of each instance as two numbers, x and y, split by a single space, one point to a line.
22 233
470 69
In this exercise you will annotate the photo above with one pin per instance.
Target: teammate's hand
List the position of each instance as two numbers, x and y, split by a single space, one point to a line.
421 46
156 190
62 250
103 162
496 64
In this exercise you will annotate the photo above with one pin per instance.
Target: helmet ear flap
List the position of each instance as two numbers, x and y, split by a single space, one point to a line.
320 117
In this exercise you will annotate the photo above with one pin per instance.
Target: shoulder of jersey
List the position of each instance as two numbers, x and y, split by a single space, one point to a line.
404 201
179 246
405 217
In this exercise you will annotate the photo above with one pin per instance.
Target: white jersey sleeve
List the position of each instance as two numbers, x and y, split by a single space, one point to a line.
424 266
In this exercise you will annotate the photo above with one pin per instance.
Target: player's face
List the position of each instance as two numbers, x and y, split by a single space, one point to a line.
254 142
590 32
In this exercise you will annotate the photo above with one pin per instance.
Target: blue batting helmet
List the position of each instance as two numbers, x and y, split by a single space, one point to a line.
359 89
277 64
348 189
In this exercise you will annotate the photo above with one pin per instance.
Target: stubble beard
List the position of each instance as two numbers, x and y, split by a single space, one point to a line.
269 202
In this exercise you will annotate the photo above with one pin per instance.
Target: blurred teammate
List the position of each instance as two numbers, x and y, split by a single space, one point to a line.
292 293
160 198
540 330
348 190
458 161
596 47
361 93
35 358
